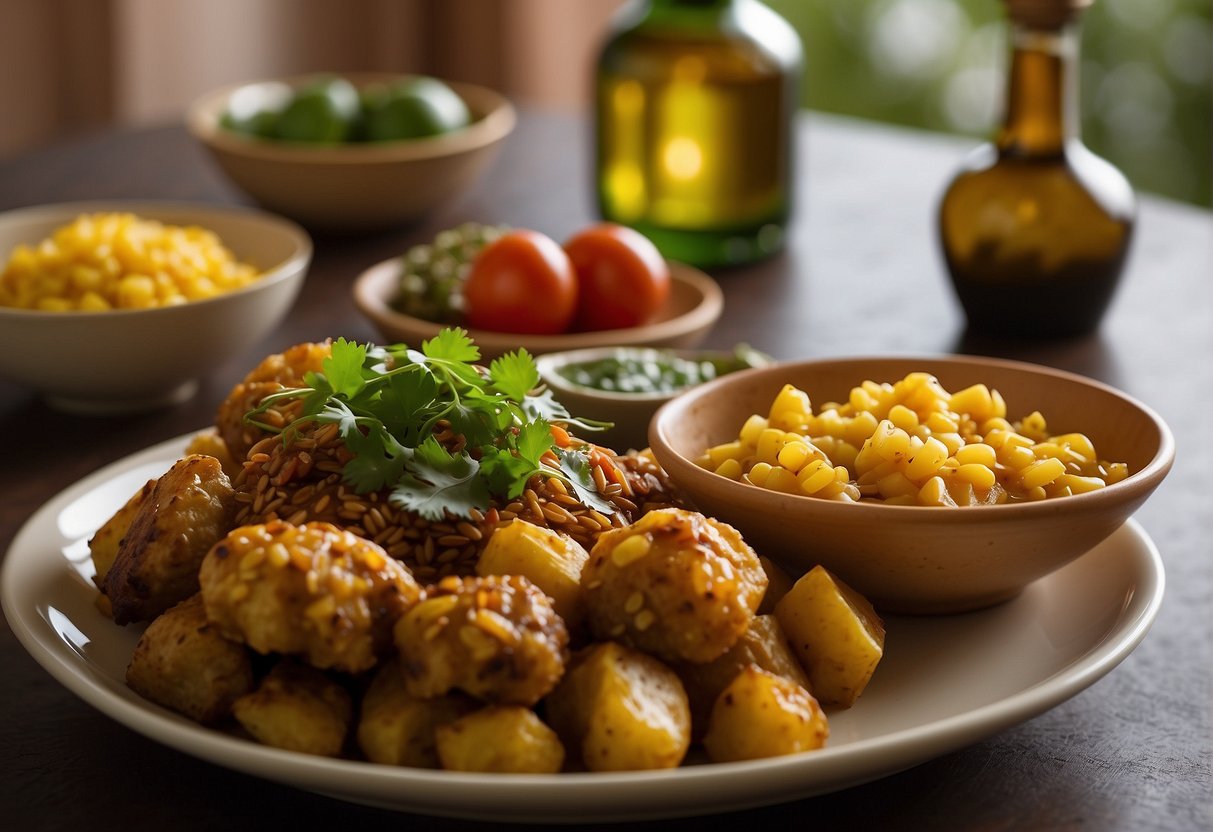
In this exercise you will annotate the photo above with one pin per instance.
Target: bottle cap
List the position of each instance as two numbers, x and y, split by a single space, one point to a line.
1045 14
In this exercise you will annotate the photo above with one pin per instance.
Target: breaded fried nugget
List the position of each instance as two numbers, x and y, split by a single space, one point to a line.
315 591
675 584
496 637
182 663
274 373
190 507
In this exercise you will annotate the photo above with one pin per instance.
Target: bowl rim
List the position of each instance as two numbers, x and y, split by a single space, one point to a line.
371 295
497 119
1141 482
549 365
294 265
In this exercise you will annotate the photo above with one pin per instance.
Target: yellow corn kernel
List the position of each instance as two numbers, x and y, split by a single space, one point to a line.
781 479
796 453
926 460
1117 471
1079 443
729 450
977 453
815 476
890 441
759 472
770 442
976 401
897 484
903 417
981 477
1080 485
1033 426
730 468
752 429
790 407
1041 472
1016 456
935 493
952 441
939 422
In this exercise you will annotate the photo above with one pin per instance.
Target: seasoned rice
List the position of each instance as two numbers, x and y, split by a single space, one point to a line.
299 480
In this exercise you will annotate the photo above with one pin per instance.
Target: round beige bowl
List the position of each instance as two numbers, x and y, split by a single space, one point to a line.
914 559
356 186
690 312
130 360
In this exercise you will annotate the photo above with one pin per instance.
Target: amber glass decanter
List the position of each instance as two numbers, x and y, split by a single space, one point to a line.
1035 229
695 109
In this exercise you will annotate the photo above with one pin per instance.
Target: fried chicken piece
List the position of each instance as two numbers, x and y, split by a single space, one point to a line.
182 663
275 372
314 591
156 566
496 637
675 583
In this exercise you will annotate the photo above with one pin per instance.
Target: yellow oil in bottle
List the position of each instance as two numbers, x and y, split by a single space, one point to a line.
1036 228
695 129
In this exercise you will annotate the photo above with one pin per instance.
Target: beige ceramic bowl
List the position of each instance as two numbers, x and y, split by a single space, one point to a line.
908 558
629 413
130 360
354 187
693 307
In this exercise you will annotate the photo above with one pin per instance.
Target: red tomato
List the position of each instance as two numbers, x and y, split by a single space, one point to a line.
522 282
622 279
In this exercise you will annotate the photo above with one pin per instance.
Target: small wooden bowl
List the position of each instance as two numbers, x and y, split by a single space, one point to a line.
912 559
693 307
356 186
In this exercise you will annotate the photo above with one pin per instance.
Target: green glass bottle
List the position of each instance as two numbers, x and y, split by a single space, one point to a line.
1036 228
695 113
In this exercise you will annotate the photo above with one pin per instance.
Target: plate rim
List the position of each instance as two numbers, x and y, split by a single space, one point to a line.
442 793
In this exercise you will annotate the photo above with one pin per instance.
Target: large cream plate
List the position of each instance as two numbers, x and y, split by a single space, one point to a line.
945 682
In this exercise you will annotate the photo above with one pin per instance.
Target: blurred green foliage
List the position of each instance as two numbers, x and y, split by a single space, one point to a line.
1146 76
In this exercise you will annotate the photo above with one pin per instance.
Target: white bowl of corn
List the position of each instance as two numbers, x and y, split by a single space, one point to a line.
121 306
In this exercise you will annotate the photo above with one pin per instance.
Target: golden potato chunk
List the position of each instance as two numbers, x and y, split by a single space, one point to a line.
502 738
182 663
210 443
156 566
396 728
314 590
761 715
298 708
103 546
550 560
619 709
763 645
497 638
675 583
835 633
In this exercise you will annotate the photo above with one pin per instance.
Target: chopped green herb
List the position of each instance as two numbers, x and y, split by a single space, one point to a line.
387 401
648 371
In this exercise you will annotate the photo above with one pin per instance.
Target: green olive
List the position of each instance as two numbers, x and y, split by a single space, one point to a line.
323 112
412 109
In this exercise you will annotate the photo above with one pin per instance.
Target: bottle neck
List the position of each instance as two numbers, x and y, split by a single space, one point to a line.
693 13
1042 92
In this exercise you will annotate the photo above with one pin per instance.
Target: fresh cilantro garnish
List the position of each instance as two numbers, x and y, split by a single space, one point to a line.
387 403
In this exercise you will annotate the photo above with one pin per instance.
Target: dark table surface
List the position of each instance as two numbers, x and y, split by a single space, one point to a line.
861 275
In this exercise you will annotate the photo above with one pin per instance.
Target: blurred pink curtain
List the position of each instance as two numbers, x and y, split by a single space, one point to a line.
73 65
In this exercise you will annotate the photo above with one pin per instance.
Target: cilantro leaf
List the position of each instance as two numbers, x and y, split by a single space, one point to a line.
435 482
515 374
451 344
343 368
543 405
576 468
